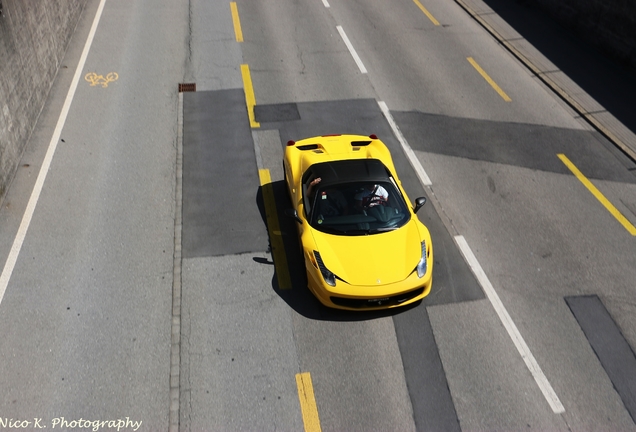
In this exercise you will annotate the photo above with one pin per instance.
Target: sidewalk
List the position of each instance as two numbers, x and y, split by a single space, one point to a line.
557 80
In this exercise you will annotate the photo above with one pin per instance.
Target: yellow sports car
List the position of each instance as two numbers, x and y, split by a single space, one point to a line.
363 246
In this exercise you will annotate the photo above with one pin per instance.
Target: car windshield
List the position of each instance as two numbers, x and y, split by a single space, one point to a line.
358 208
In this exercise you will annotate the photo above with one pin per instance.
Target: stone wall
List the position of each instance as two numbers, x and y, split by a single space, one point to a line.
609 25
34 35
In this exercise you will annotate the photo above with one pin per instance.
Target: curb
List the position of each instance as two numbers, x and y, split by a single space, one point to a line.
590 110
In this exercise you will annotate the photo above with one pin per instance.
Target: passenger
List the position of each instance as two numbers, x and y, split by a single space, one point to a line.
331 201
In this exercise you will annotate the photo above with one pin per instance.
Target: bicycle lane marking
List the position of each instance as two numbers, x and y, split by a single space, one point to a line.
46 163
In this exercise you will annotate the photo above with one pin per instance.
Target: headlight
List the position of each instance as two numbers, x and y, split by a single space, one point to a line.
422 265
329 277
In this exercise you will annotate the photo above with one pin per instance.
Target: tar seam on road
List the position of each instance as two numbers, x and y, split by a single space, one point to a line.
609 345
175 337
511 328
598 195
48 158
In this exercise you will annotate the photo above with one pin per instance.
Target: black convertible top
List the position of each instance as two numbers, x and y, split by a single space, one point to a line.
344 171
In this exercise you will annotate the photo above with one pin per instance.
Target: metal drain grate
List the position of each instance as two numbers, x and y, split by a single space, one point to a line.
187 87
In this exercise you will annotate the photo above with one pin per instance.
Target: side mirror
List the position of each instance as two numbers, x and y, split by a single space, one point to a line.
419 202
293 214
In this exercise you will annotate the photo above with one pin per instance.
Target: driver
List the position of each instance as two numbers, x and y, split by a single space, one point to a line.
372 195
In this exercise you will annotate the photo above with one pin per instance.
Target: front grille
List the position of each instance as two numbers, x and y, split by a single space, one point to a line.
395 300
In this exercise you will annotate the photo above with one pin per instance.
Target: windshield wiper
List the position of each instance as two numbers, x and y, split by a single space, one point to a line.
384 229
329 230
357 232
368 231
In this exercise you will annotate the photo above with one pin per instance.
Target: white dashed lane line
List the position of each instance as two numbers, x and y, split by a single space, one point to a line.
352 50
410 154
502 313
511 328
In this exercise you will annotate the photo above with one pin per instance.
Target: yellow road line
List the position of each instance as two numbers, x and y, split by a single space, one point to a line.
250 99
599 196
427 13
275 235
308 406
490 81
237 23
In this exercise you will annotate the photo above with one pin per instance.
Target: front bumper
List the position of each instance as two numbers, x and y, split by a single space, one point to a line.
351 297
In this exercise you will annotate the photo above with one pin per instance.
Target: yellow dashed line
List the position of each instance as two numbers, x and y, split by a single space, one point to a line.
599 196
250 99
490 81
237 22
426 12
275 235
308 406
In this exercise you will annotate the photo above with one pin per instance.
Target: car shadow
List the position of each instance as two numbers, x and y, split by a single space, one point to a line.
298 296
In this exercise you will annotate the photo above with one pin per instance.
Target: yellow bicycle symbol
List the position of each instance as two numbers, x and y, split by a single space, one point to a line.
95 79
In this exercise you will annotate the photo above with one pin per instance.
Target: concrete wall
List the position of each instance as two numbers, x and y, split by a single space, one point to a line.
610 25
34 35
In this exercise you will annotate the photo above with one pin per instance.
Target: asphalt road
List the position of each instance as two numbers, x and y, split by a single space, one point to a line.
107 318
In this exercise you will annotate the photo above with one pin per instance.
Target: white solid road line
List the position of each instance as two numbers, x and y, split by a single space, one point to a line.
410 154
46 163
517 339
353 52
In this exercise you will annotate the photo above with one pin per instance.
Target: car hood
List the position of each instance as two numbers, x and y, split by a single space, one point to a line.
372 260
